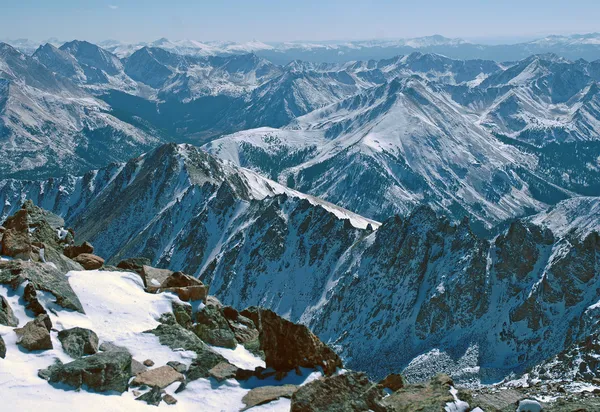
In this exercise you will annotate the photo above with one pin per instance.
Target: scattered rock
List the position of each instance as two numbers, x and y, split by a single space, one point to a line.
392 382
16 244
134 264
2 348
110 347
169 399
266 394
137 367
154 277
288 345
152 397
78 342
148 362
223 371
43 277
89 261
104 371
73 251
35 335
186 287
351 391
178 366
203 363
31 301
213 328
7 316
160 377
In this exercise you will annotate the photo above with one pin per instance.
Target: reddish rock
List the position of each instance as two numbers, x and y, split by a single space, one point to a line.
89 261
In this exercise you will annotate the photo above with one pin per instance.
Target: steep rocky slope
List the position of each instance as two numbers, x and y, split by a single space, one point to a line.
424 288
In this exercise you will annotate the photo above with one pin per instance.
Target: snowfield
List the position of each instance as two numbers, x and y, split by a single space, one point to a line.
119 311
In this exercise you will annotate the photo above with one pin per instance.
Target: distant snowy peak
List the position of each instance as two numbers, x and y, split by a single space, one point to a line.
579 214
572 40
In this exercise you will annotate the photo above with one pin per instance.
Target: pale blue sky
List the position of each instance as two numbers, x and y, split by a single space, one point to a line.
283 20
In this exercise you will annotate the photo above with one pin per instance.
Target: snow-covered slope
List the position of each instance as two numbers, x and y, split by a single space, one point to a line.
48 125
388 149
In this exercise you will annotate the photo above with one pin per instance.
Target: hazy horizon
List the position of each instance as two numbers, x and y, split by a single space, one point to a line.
335 20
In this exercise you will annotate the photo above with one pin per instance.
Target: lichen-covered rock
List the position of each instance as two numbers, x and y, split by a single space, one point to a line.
78 342
430 396
89 261
204 362
287 345
35 335
351 391
7 316
213 328
102 372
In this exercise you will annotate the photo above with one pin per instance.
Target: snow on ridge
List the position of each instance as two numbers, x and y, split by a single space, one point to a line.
578 214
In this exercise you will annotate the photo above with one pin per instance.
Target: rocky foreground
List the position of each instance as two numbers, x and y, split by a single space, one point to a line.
78 334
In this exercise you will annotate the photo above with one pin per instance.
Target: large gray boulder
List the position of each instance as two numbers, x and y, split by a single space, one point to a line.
102 372
78 342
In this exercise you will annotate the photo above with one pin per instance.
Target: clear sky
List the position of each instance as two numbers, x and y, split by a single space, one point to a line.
284 20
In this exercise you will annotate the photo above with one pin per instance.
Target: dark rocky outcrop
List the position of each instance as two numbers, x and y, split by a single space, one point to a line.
152 397
73 251
35 335
7 316
42 277
2 348
134 264
31 301
351 391
392 382
78 342
287 345
213 328
102 372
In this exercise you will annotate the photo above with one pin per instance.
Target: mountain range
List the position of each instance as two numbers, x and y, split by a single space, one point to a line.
577 46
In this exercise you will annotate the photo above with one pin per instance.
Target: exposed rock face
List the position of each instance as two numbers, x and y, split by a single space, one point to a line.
104 371
2 348
392 382
7 316
158 377
288 345
73 251
89 261
78 342
42 277
431 396
35 335
186 287
16 244
351 391
266 394
213 328
31 300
